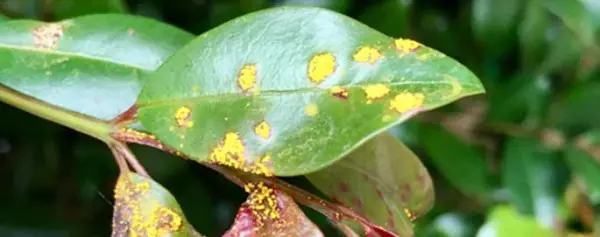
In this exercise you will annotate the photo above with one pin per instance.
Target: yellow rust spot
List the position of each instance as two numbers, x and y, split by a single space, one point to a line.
263 129
262 201
47 36
376 91
456 87
406 45
367 55
311 110
406 101
247 77
320 67
230 152
183 116
164 221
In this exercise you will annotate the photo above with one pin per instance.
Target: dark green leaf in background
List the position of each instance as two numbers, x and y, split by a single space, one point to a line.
577 109
534 179
533 33
523 99
301 99
91 64
574 15
494 23
63 9
145 208
391 17
336 5
383 181
587 168
462 164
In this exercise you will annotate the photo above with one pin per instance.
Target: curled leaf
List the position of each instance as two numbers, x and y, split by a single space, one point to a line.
144 208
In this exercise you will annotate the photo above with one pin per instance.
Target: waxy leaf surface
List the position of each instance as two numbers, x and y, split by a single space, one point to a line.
382 181
90 64
145 208
292 88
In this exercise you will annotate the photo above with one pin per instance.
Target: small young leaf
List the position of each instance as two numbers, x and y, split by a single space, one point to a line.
293 90
505 221
461 164
383 181
90 64
533 178
289 220
145 208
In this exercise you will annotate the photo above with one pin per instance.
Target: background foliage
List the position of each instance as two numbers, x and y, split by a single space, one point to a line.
521 158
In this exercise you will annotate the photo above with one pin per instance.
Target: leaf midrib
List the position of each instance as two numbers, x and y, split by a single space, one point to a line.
197 99
70 54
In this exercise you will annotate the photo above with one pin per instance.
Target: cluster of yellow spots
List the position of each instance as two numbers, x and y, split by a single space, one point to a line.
247 77
183 116
367 55
339 92
311 110
406 101
230 153
135 218
321 66
262 201
47 36
406 45
376 91
263 129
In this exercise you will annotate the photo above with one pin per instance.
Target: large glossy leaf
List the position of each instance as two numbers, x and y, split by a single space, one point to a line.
284 216
383 181
463 165
145 208
534 179
505 221
91 64
292 90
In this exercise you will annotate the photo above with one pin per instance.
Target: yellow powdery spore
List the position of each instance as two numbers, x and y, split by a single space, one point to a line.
263 129
406 101
339 91
377 91
311 110
164 221
247 77
367 55
262 166
262 201
230 152
321 66
406 45
47 36
183 116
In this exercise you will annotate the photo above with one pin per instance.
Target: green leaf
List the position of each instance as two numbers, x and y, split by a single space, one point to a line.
243 90
533 178
523 98
587 168
463 165
575 16
391 17
494 23
3 18
62 9
533 31
383 181
91 64
505 221
336 5
145 208
565 50
576 110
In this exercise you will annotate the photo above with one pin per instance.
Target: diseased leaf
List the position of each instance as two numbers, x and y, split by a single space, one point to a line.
144 208
533 177
91 64
383 181
270 212
460 163
505 221
255 95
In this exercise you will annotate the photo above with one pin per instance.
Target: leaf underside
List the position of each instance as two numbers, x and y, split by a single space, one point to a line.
299 87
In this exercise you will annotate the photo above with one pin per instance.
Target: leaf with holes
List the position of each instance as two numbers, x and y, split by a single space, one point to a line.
145 208
288 91
270 212
383 181
90 64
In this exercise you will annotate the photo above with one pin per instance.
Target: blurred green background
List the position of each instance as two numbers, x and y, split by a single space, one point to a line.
517 161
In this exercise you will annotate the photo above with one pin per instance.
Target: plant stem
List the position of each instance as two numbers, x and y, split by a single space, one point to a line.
82 123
